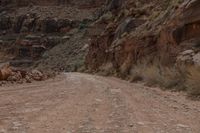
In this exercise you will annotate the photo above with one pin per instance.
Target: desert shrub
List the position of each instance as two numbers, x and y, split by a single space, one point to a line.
174 78
157 74
107 69
136 72
193 81
152 75
182 78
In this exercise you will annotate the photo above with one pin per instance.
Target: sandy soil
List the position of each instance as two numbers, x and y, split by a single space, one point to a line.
81 103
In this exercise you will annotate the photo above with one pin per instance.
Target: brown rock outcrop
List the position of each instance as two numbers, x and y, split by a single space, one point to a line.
182 31
168 29
5 72
90 3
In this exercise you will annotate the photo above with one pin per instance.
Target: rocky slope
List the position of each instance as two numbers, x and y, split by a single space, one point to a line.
30 28
134 30
108 35
21 3
46 35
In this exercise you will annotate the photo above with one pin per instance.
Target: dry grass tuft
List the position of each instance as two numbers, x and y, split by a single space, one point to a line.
136 73
185 78
152 75
193 81
174 78
156 74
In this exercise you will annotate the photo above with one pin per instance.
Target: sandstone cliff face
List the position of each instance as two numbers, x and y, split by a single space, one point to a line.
89 3
29 28
123 32
160 29
181 33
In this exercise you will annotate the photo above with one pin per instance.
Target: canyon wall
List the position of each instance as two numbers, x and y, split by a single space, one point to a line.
20 3
161 30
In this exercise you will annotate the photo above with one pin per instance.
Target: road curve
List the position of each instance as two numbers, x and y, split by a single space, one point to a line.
82 103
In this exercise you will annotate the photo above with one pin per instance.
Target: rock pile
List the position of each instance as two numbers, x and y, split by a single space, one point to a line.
13 75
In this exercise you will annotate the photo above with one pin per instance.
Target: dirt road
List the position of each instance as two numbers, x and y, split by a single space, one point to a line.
81 103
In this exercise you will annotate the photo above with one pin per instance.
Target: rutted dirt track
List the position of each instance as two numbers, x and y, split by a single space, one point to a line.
81 103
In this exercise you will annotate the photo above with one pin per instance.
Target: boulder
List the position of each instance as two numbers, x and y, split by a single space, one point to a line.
188 57
196 59
16 76
5 72
37 75
184 58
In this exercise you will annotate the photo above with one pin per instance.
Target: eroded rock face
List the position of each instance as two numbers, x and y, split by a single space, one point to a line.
29 29
5 23
183 31
48 16
32 23
185 24
119 44
127 25
114 4
165 32
91 3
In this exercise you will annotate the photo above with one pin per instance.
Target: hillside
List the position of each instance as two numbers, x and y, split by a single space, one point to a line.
109 37
152 41
99 66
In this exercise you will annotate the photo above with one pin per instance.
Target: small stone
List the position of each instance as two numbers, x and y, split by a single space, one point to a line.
113 91
98 100
182 126
140 123
2 131
196 59
130 125
17 124
66 37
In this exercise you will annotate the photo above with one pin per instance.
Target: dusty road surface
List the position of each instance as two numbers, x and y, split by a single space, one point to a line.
81 103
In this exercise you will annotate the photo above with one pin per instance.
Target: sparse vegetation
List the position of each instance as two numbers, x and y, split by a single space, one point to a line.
174 78
193 81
